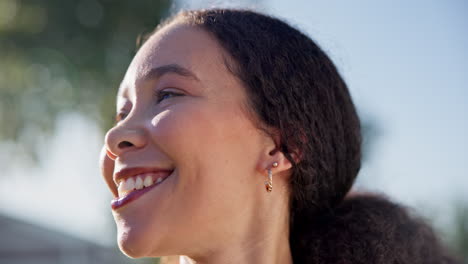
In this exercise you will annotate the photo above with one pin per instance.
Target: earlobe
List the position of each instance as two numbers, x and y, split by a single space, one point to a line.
274 162
283 164
274 157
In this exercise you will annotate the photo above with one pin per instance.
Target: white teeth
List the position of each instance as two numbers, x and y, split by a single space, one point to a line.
130 184
148 181
138 183
127 185
121 187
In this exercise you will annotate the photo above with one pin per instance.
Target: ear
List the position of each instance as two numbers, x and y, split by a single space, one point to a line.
274 156
271 154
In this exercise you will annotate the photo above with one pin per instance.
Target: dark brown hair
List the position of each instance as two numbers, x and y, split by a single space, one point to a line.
296 89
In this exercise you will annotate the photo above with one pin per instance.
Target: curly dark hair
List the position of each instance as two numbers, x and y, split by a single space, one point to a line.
296 89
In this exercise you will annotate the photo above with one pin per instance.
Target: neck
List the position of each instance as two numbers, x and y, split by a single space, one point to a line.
268 251
264 240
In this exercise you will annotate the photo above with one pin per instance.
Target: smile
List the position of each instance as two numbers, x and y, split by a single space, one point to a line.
131 188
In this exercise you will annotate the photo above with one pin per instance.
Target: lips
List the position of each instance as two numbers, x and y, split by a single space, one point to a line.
134 182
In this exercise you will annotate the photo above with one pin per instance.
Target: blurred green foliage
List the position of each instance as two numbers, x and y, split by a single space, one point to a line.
64 55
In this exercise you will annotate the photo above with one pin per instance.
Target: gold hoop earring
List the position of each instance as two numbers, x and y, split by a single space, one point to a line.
269 182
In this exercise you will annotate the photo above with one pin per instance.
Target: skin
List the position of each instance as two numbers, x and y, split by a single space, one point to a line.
214 207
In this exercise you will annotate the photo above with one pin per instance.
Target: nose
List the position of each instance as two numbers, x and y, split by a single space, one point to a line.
123 138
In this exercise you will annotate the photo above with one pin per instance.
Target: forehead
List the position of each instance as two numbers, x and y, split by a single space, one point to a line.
177 44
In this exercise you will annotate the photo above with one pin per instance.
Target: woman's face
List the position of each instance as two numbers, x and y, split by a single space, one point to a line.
182 118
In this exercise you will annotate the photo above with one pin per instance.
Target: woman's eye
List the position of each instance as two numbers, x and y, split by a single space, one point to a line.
163 95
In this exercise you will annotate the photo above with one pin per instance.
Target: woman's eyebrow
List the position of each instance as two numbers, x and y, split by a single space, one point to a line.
158 72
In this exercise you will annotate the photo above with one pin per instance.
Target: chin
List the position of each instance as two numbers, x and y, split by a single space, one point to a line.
140 231
132 244
138 241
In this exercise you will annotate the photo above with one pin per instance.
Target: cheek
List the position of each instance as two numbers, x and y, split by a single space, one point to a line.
215 149
199 135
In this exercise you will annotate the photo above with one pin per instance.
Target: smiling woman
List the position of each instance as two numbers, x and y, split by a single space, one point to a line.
237 142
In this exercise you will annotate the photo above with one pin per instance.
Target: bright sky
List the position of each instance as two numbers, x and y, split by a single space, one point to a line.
406 65
64 191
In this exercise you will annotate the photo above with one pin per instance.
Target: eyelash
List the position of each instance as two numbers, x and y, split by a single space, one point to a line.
160 95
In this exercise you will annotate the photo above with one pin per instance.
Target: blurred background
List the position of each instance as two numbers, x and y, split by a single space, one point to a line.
61 62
